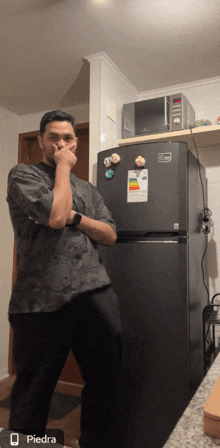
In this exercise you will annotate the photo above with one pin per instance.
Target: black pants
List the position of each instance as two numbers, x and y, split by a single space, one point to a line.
91 327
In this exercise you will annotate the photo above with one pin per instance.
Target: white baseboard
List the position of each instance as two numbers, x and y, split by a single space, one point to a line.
4 374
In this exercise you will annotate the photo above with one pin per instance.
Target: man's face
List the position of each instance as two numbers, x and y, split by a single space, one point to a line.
60 134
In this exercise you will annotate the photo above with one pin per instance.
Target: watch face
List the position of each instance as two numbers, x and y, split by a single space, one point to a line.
76 220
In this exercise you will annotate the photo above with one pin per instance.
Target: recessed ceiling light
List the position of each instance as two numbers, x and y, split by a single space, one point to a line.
99 2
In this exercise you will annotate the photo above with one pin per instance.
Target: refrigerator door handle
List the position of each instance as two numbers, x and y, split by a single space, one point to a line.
152 242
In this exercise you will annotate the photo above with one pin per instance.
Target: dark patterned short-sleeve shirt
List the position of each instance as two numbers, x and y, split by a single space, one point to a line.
53 266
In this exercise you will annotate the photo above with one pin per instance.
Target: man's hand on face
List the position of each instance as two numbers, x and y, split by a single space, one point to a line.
65 155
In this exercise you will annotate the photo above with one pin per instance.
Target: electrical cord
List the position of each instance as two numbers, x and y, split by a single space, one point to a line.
207 221
197 154
202 267
206 226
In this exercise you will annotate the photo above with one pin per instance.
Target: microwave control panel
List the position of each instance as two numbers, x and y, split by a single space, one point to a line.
182 115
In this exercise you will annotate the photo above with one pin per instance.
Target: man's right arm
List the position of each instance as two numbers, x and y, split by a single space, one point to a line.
63 201
35 198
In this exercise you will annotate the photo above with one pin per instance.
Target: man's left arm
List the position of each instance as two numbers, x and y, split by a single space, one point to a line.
98 231
102 228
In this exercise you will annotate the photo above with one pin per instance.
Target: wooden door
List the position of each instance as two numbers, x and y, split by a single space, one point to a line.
30 153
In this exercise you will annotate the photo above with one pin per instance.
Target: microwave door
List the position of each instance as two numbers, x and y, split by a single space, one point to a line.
151 116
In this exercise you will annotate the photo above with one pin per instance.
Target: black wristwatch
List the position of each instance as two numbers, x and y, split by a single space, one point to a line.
76 220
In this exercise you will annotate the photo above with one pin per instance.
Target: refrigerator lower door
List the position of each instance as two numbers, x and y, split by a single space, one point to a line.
150 279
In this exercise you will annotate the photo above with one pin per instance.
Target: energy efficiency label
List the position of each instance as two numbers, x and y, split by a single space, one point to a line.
137 190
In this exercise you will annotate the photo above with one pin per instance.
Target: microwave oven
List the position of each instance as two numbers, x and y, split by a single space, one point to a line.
169 113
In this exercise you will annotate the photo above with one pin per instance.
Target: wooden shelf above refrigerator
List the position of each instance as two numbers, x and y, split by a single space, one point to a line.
204 136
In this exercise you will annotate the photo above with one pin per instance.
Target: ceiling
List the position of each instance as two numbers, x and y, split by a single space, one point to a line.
155 43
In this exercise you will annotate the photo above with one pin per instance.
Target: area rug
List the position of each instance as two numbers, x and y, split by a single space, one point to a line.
61 405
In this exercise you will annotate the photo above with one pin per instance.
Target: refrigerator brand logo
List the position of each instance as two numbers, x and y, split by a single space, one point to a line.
165 157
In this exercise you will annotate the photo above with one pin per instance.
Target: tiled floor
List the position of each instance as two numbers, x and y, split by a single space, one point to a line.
70 424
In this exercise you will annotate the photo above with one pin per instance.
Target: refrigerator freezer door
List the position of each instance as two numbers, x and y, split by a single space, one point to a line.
164 187
150 279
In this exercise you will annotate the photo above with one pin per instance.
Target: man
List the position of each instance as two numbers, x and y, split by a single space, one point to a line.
62 297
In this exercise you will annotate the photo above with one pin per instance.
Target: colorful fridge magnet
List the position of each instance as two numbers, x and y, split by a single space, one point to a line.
140 161
107 161
109 174
115 158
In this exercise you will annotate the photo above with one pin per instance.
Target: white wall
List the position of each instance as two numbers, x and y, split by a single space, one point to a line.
210 159
31 122
8 158
109 90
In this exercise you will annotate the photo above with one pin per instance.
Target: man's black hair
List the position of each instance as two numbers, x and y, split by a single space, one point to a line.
55 115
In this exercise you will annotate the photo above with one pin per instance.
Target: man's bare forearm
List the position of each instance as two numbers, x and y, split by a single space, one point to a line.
62 203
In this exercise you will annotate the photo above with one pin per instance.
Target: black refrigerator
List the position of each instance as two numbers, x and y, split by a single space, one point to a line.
155 268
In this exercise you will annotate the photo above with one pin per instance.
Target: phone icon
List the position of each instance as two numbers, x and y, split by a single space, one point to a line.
14 439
